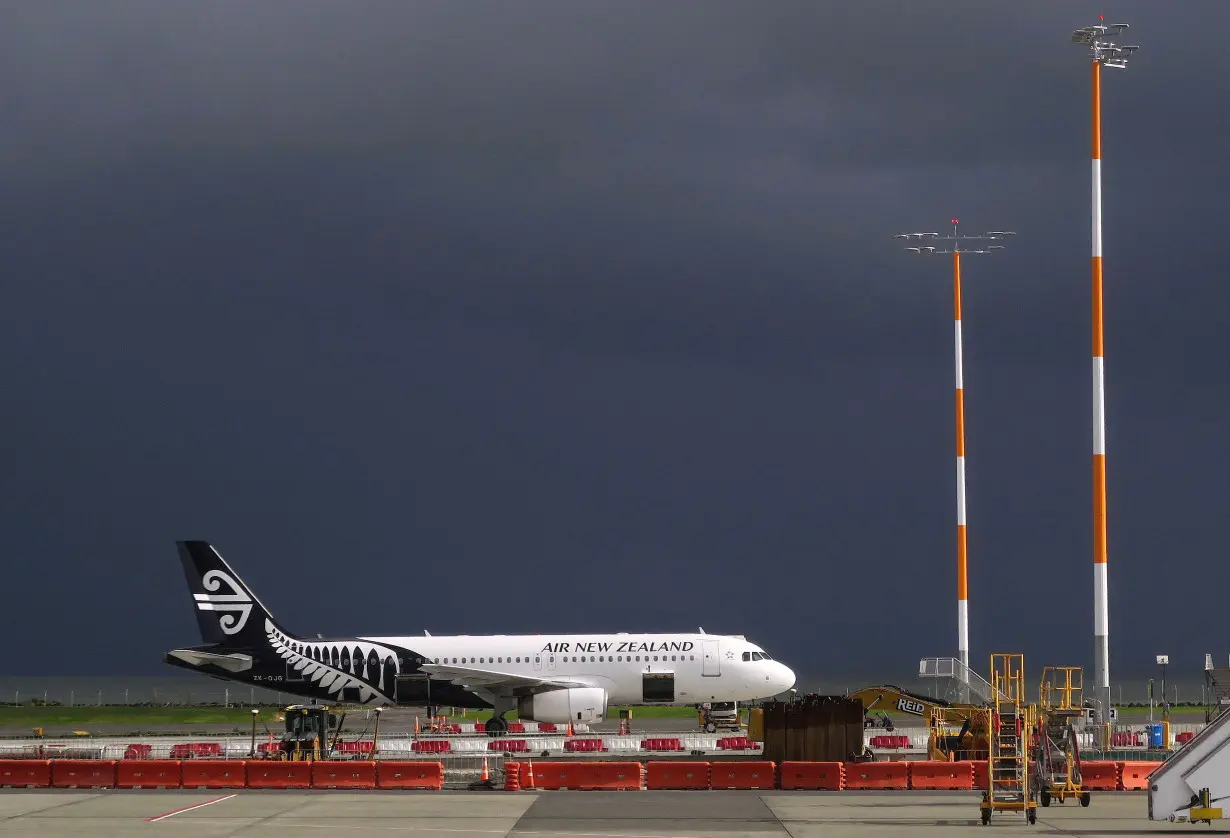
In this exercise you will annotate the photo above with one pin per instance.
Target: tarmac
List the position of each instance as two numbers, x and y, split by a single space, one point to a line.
563 814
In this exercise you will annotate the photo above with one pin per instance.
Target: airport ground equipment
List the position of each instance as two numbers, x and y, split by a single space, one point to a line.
948 742
1011 722
1057 760
1217 689
722 715
1193 783
887 698
307 733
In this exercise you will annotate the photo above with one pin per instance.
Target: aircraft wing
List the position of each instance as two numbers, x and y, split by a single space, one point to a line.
503 683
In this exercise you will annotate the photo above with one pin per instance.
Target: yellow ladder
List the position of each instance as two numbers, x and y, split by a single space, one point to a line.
1010 724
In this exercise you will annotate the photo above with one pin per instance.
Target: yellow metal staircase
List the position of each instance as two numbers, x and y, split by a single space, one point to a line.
1057 758
1011 724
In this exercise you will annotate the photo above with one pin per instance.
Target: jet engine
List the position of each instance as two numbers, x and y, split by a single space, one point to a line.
579 704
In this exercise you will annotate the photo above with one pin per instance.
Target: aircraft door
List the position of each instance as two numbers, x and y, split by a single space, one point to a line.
710 665
658 687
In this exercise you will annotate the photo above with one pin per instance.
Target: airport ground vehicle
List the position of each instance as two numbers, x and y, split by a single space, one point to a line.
721 715
311 732
1057 759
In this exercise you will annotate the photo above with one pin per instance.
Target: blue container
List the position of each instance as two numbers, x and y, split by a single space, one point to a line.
1155 737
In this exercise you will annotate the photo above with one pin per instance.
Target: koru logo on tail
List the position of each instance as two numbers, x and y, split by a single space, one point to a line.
235 603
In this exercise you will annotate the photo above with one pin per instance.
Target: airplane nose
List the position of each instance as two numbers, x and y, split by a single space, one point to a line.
785 677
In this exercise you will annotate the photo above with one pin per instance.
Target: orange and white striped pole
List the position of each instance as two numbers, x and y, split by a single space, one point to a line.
1104 53
962 546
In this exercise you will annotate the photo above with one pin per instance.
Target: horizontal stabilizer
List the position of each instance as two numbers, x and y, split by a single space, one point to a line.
233 662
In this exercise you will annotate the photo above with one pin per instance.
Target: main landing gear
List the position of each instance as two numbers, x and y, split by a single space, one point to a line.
496 726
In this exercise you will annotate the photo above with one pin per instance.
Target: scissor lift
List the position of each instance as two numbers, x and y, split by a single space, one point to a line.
1011 723
1057 760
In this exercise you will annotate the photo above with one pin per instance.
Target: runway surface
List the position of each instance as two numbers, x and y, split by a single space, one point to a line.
726 814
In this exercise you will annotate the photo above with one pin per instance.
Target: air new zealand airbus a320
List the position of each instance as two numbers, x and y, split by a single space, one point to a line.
546 678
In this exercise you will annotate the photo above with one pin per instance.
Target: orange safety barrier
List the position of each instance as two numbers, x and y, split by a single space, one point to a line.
509 745
673 776
82 773
431 746
742 775
587 776
982 774
276 774
214 774
1100 775
512 776
877 775
661 745
586 745
25 773
409 775
148 774
812 776
1134 776
343 774
941 776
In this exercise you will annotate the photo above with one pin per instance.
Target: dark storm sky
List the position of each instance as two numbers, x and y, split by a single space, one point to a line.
534 317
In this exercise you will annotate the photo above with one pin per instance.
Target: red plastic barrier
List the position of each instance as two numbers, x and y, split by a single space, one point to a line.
661 745
812 776
515 746
877 775
361 746
1184 737
1100 775
941 776
516 727
196 750
275 774
583 745
214 774
1134 776
139 752
343 774
409 775
148 774
1127 740
742 775
431 746
82 773
735 743
676 775
982 774
25 773
546 727
890 742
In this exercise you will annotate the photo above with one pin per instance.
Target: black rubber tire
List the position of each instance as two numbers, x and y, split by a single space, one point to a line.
1032 816
1084 798
1045 799
496 726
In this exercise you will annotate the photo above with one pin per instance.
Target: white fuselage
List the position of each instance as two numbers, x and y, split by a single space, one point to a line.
706 668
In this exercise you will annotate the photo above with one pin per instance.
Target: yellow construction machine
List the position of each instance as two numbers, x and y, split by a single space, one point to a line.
307 733
886 698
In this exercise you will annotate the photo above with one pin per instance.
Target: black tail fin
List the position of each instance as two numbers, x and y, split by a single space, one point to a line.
229 614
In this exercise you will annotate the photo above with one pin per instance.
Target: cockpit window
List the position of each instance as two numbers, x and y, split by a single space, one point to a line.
756 656
747 656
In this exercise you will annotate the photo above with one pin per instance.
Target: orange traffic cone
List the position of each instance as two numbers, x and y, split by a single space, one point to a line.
486 773
416 725
529 775
569 733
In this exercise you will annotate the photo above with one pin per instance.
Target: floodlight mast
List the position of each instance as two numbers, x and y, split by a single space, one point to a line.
962 552
1102 52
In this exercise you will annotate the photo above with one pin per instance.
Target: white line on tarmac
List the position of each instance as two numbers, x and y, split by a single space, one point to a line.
188 809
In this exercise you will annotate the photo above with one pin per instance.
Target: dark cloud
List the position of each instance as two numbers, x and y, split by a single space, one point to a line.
511 294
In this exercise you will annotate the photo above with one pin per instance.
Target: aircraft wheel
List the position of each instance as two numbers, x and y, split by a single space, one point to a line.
496 726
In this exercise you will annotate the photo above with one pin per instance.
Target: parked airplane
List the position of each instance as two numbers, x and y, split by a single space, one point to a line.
546 678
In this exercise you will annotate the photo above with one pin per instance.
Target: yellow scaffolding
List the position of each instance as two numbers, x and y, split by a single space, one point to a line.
1057 758
1011 722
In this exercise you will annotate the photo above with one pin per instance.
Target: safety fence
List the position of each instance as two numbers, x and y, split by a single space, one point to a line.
546 775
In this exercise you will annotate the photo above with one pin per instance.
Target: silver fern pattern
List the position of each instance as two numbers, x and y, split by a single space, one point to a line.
334 666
